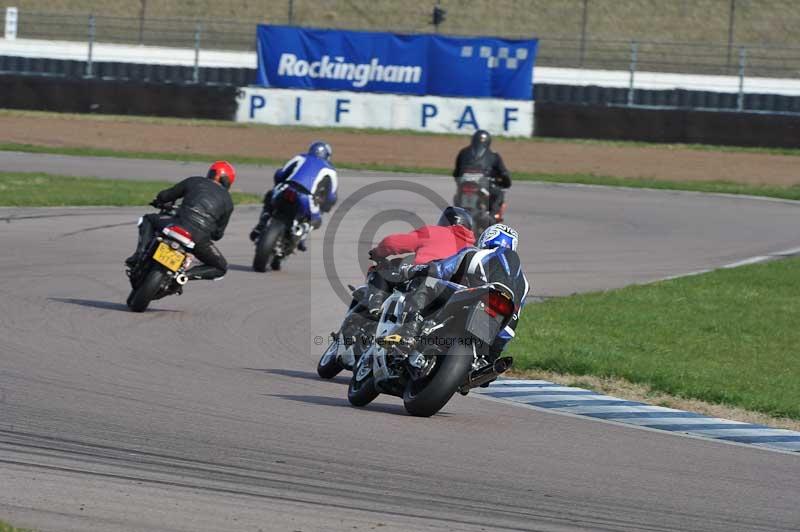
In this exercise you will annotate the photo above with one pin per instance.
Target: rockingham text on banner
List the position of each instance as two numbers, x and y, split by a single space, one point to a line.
484 67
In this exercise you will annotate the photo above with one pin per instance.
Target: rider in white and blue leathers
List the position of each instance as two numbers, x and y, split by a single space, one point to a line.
494 259
314 171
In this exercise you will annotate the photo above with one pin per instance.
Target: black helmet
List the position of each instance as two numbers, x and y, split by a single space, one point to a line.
456 216
481 140
321 149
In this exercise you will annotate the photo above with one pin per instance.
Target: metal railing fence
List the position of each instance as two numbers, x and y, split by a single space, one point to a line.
554 50
198 37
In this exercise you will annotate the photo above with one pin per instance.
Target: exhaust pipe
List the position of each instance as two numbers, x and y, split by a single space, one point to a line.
181 279
489 373
502 364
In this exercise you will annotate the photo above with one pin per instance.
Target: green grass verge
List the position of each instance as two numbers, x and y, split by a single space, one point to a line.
47 190
5 527
719 187
727 337
726 187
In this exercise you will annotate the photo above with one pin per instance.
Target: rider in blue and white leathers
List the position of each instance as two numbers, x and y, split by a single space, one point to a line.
494 260
315 173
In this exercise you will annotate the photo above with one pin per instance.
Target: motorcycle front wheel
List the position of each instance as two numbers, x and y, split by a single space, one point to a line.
142 295
329 366
361 391
425 398
266 244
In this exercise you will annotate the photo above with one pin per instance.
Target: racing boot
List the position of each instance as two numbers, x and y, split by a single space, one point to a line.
146 230
315 224
133 260
205 272
408 333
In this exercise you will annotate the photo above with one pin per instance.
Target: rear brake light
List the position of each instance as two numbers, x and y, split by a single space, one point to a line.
497 303
470 188
290 195
180 230
180 234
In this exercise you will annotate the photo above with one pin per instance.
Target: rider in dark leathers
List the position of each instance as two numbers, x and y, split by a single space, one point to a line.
494 260
478 158
205 211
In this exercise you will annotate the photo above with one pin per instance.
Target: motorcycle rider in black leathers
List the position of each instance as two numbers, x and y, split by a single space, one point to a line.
204 212
478 158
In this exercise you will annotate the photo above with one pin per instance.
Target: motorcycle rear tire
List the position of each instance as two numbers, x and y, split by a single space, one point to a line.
141 296
450 374
266 245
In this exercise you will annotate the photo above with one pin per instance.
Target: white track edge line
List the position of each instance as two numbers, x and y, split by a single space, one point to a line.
631 426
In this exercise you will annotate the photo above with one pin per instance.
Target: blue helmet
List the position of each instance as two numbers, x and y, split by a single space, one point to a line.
499 236
321 149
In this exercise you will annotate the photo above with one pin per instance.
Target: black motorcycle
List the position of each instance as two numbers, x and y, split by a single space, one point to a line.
161 270
473 193
452 353
287 226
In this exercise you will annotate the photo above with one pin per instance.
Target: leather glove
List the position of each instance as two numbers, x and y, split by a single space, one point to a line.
409 271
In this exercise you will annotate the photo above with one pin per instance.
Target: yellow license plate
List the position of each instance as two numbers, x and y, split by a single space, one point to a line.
168 257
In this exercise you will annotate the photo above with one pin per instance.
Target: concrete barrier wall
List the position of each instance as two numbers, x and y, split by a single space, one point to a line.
551 119
117 97
673 126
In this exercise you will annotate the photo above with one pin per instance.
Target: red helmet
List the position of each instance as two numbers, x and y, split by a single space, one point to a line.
223 173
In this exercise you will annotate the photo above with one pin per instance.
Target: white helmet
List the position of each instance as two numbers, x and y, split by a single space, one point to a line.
499 236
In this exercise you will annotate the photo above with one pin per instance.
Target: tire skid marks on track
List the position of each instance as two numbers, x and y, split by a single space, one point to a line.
566 399
270 481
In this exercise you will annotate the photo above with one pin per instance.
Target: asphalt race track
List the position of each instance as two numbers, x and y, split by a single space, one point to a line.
205 413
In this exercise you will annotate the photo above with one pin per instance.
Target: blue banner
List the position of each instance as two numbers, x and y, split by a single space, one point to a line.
292 57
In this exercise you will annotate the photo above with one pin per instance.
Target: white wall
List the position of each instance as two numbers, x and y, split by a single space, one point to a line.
385 111
664 81
125 53
565 76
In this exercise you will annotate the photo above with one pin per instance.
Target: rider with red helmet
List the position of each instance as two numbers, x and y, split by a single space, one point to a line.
205 211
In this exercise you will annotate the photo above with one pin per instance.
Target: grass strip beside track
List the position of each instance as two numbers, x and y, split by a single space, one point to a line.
5 527
48 190
724 187
726 337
